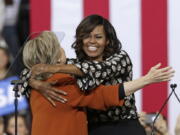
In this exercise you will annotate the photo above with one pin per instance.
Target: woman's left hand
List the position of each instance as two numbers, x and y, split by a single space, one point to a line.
48 91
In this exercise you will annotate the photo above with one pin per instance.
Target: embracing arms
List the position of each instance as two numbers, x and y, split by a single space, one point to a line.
155 75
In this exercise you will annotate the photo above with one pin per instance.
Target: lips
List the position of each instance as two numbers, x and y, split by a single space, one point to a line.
92 48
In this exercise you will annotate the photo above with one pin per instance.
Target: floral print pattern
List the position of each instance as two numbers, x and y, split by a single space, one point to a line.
114 70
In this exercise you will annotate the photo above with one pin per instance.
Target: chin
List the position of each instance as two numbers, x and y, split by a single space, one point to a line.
90 54
96 58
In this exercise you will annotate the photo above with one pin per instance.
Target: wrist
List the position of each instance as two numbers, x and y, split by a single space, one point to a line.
146 81
33 84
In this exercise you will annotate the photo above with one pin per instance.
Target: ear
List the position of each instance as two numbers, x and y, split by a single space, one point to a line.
63 56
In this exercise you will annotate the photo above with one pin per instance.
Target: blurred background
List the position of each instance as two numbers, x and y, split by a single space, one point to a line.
148 29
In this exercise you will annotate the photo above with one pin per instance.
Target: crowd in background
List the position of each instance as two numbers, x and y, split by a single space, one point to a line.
160 127
14 29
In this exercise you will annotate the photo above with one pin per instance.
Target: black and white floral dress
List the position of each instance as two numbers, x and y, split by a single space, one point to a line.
114 70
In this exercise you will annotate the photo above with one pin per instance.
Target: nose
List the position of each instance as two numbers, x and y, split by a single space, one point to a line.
92 39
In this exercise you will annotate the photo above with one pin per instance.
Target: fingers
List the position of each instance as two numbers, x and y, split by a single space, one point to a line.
54 82
165 69
157 66
50 92
157 74
166 73
51 101
52 97
60 91
165 78
55 96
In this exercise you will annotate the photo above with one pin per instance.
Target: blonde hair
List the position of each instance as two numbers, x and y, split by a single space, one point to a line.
44 49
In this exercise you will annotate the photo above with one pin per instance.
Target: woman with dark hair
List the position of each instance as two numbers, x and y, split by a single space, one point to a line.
86 27
100 60
116 120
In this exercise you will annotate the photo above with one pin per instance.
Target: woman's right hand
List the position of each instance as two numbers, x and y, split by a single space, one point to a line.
48 91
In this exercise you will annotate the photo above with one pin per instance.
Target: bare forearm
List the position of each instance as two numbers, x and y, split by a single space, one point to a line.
132 86
155 75
70 69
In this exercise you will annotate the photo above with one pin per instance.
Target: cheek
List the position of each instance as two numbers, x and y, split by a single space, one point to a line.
102 49
4 61
103 45
85 41
84 47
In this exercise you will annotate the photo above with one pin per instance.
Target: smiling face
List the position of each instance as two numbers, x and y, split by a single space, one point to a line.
95 39
94 43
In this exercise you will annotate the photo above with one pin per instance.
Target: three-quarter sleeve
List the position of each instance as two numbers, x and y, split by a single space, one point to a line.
100 98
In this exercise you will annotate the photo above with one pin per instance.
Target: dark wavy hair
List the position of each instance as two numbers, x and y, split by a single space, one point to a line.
86 26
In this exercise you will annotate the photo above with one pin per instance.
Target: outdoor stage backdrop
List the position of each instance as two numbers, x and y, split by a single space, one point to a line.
148 29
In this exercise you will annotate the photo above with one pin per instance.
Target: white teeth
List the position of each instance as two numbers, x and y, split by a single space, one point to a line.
92 48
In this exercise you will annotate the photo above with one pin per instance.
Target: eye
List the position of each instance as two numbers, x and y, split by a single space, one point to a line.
98 37
86 36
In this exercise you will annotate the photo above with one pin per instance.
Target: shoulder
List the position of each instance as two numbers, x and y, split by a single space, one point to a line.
120 54
71 60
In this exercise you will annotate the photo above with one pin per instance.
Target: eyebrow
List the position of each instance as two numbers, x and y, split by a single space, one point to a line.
98 34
